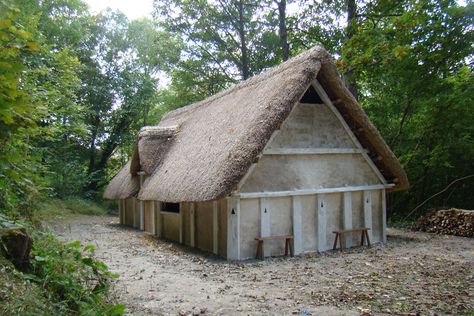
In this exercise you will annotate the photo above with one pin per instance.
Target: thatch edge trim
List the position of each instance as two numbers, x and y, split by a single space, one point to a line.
348 106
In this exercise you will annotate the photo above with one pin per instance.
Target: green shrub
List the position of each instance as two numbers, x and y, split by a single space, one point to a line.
19 296
62 279
71 277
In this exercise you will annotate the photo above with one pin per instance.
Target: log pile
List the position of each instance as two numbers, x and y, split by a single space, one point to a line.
450 222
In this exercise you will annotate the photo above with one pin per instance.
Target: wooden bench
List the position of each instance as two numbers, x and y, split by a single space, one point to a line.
261 240
340 233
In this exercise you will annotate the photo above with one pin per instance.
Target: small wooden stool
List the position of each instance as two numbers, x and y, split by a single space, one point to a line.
340 233
288 246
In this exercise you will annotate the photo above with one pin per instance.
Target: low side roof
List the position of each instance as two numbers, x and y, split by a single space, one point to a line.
123 185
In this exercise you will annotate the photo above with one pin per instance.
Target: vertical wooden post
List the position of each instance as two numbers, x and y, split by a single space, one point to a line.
384 216
142 215
153 217
347 217
192 224
233 228
181 223
125 211
142 203
321 219
368 212
297 225
265 230
120 209
158 218
134 212
215 227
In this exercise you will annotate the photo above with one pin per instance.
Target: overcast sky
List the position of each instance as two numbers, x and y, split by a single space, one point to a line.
133 9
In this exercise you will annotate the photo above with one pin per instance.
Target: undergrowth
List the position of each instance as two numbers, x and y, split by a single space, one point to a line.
399 222
54 209
62 278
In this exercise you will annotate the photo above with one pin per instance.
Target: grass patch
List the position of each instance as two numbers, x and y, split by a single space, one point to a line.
53 209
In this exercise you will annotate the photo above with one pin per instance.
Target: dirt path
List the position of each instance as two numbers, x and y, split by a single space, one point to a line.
414 272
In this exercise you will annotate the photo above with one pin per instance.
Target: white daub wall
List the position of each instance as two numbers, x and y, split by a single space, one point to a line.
311 151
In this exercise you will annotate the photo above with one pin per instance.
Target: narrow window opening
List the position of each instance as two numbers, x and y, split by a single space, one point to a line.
170 207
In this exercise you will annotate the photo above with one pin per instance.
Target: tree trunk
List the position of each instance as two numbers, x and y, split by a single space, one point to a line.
282 30
244 62
350 31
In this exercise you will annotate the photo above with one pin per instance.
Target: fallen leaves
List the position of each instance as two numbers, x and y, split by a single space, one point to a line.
412 274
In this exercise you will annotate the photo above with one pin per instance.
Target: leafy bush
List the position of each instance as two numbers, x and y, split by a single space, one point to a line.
19 296
62 279
71 277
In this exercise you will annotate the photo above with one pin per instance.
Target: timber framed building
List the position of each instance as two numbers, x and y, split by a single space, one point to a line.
287 152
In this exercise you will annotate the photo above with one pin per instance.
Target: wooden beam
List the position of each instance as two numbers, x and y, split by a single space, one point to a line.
142 203
322 94
153 216
124 212
192 224
265 230
134 212
233 228
181 223
142 215
159 219
384 216
245 177
368 212
120 211
347 217
297 225
254 195
312 151
215 227
321 222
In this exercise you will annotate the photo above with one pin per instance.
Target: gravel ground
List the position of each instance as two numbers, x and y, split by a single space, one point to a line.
413 273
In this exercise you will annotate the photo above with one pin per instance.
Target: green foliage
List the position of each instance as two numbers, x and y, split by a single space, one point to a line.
62 279
50 210
15 41
71 277
19 296
410 59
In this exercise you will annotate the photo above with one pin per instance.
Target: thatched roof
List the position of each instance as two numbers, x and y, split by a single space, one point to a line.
123 185
219 138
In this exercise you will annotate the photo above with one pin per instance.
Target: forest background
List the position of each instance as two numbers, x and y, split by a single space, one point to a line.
75 87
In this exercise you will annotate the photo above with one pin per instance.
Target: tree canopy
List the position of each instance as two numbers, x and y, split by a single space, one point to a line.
75 86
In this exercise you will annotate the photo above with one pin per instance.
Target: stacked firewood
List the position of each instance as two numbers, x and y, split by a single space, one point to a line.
450 222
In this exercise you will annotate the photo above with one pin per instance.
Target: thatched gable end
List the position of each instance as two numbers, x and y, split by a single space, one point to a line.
123 185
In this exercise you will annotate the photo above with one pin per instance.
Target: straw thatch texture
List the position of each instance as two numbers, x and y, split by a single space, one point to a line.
151 147
220 137
123 185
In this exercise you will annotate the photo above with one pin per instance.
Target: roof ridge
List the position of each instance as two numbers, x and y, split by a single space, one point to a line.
312 53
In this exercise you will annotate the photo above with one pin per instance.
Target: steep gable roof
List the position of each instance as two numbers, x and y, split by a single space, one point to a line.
216 140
